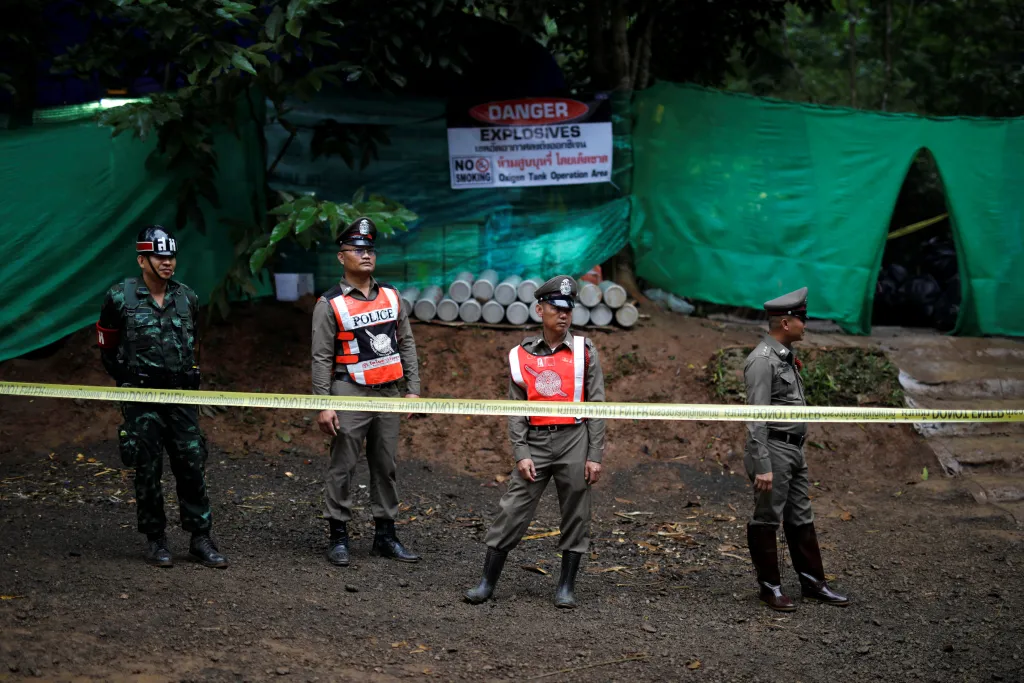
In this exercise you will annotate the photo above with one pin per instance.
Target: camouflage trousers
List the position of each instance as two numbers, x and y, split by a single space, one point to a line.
148 428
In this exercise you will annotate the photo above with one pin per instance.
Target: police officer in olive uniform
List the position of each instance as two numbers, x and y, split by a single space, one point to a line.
362 346
556 366
147 337
775 462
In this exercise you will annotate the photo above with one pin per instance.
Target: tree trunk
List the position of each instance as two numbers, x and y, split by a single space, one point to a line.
597 51
620 46
852 22
887 49
642 57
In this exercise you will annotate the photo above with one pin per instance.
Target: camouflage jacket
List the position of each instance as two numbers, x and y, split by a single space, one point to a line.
162 338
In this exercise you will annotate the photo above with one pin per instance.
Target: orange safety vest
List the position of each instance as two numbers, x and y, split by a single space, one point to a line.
367 341
558 377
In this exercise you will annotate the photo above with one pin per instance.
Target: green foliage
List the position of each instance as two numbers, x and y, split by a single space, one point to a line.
939 57
832 377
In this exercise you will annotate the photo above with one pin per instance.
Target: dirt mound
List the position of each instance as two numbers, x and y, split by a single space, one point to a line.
265 348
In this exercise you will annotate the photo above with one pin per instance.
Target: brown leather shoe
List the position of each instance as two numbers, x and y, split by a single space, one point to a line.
775 598
764 553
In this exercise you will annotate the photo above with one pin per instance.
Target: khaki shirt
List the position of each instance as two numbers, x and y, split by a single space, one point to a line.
325 330
593 390
772 378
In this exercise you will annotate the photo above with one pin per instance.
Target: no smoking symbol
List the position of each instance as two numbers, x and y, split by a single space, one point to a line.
483 165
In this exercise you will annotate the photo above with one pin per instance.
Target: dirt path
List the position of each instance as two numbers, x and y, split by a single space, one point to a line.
935 578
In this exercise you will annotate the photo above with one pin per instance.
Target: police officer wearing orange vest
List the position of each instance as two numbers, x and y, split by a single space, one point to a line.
362 346
557 366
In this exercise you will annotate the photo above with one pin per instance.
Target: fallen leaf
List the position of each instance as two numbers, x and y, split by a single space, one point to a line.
288 474
11 597
535 569
647 546
723 518
79 457
816 445
546 534
614 569
400 644
846 516
727 548
693 664
731 507
420 649
924 474
94 460
501 478
736 557
625 501
285 436
490 484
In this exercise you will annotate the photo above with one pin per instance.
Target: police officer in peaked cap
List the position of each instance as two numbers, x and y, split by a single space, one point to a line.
555 366
775 462
362 346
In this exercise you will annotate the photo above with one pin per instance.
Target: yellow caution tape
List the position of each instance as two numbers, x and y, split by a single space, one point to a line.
461 406
914 227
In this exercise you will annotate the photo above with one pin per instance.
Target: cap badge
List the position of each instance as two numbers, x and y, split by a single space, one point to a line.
565 288
364 227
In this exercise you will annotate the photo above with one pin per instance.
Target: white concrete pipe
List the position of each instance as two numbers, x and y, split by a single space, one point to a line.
627 315
507 290
588 293
409 296
614 295
448 309
483 288
601 315
462 287
526 289
534 315
426 307
580 316
518 313
493 312
469 311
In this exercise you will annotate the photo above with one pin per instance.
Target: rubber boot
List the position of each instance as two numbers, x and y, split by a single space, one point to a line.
494 562
565 596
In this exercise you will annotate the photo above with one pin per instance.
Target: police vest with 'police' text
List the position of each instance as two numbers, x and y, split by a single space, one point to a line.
367 342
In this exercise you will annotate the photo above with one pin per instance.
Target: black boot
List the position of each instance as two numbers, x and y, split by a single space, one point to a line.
493 564
386 543
764 553
157 553
203 549
806 554
337 547
565 596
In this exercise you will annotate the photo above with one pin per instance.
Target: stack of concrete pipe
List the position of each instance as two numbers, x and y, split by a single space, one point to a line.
489 298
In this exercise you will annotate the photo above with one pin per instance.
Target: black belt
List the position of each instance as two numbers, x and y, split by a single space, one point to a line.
795 439
345 377
553 428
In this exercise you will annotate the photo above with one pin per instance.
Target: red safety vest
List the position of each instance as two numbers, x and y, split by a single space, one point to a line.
367 341
558 377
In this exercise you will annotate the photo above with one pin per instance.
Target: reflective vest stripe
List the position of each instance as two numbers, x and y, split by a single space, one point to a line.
579 359
517 369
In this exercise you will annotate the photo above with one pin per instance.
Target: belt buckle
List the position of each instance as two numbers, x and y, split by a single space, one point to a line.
552 428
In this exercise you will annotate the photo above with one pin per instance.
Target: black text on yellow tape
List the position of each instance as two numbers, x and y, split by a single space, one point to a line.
457 406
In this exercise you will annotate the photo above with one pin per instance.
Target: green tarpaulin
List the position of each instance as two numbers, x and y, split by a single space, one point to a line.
516 231
71 203
740 199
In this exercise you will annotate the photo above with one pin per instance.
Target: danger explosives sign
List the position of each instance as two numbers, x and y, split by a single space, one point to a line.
529 142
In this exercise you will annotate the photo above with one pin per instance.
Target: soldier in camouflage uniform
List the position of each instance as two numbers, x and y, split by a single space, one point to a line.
775 462
147 337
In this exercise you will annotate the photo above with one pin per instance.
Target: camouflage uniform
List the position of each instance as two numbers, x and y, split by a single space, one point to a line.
157 350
